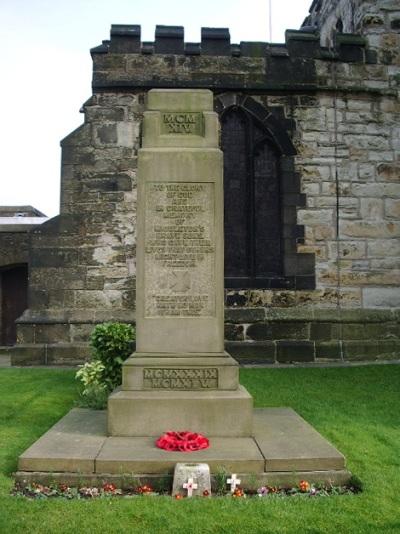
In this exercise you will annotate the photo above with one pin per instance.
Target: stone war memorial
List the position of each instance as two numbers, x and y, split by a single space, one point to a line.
238 203
180 378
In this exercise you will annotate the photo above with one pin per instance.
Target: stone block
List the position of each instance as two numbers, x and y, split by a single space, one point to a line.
295 351
383 248
277 331
244 315
52 333
252 352
69 354
236 298
213 413
199 473
25 334
140 455
259 331
328 350
199 329
392 208
306 450
176 100
389 172
233 332
202 372
70 445
324 331
28 354
81 332
381 297
371 350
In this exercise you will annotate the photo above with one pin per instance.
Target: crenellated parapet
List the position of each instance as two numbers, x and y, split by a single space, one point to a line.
125 61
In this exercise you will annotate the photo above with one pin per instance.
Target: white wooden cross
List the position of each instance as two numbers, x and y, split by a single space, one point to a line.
233 481
190 486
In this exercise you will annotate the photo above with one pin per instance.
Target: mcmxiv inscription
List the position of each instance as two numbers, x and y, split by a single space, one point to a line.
203 378
182 123
179 249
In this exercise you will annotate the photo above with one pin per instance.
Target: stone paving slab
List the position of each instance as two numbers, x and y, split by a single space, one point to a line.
72 444
289 443
5 360
140 455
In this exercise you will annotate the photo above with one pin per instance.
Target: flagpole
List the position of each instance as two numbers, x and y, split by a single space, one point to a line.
270 20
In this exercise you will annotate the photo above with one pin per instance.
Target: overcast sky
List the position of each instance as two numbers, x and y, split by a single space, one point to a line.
46 71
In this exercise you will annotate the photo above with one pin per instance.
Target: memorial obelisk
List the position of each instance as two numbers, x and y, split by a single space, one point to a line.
180 378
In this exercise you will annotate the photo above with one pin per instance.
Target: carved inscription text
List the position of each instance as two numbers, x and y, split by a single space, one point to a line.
204 378
179 249
182 123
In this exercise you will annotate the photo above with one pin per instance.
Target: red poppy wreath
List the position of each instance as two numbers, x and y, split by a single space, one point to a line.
182 441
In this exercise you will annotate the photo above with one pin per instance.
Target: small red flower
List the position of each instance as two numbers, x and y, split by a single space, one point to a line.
238 492
144 490
178 496
206 493
304 486
182 441
109 487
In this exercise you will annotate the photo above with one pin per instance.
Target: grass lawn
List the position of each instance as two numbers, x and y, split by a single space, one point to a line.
357 409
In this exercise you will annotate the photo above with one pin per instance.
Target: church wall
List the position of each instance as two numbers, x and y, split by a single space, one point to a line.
344 109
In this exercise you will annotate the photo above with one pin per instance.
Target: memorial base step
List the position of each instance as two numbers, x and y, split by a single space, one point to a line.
284 450
215 413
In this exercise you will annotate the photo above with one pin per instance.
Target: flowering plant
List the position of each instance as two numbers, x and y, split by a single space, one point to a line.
304 486
182 441
145 490
109 487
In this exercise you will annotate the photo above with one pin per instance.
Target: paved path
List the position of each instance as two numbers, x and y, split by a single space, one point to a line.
5 360
319 364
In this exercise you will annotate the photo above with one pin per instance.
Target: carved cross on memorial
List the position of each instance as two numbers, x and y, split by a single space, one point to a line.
180 377
189 486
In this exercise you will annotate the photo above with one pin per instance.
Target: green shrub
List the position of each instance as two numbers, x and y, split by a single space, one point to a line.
94 393
90 373
94 396
112 345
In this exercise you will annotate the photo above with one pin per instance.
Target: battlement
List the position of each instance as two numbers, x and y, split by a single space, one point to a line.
126 39
125 62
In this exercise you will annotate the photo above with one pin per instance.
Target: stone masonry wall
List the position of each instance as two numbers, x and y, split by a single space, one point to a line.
345 106
82 268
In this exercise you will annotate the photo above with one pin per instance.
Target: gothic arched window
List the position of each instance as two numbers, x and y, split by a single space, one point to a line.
261 197
252 202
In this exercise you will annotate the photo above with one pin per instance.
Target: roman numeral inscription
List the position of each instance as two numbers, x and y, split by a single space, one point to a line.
179 249
182 123
204 378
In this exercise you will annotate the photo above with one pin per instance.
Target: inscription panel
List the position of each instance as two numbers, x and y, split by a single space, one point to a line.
179 260
203 378
182 123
